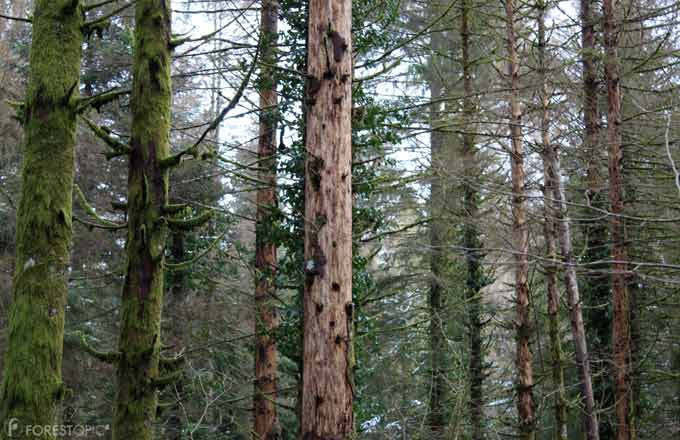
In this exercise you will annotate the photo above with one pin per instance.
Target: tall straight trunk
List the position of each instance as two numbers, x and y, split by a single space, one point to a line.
520 239
266 318
621 302
32 386
559 210
142 296
550 232
436 417
595 283
328 388
471 237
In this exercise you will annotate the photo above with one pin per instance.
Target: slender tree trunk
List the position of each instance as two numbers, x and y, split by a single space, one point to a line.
142 297
595 283
32 386
328 309
573 296
266 318
471 238
436 418
520 238
550 232
620 300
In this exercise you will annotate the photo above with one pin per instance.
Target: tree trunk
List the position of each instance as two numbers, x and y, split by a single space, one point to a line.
32 386
573 296
621 325
520 238
471 237
550 232
142 297
436 417
595 284
328 309
266 319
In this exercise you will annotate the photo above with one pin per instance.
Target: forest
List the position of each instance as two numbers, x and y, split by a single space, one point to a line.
340 219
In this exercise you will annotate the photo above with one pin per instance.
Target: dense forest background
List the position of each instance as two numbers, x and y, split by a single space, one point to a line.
485 217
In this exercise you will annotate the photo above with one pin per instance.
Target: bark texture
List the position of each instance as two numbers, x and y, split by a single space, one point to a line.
436 417
551 240
471 235
621 301
520 239
32 385
266 315
142 297
595 282
328 388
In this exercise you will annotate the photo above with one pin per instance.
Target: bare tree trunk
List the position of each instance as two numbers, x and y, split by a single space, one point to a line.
266 319
550 232
573 297
471 236
32 385
142 298
621 326
328 387
520 238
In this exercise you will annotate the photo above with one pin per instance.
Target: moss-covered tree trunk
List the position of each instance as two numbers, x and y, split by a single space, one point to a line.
142 297
520 240
621 337
32 385
327 391
471 235
266 319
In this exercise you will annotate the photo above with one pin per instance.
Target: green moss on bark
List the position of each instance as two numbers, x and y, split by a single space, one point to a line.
142 298
32 386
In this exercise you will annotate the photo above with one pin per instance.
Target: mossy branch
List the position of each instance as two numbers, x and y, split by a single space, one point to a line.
175 42
167 379
175 267
98 101
118 148
190 223
175 159
91 225
90 209
109 357
172 364
174 208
